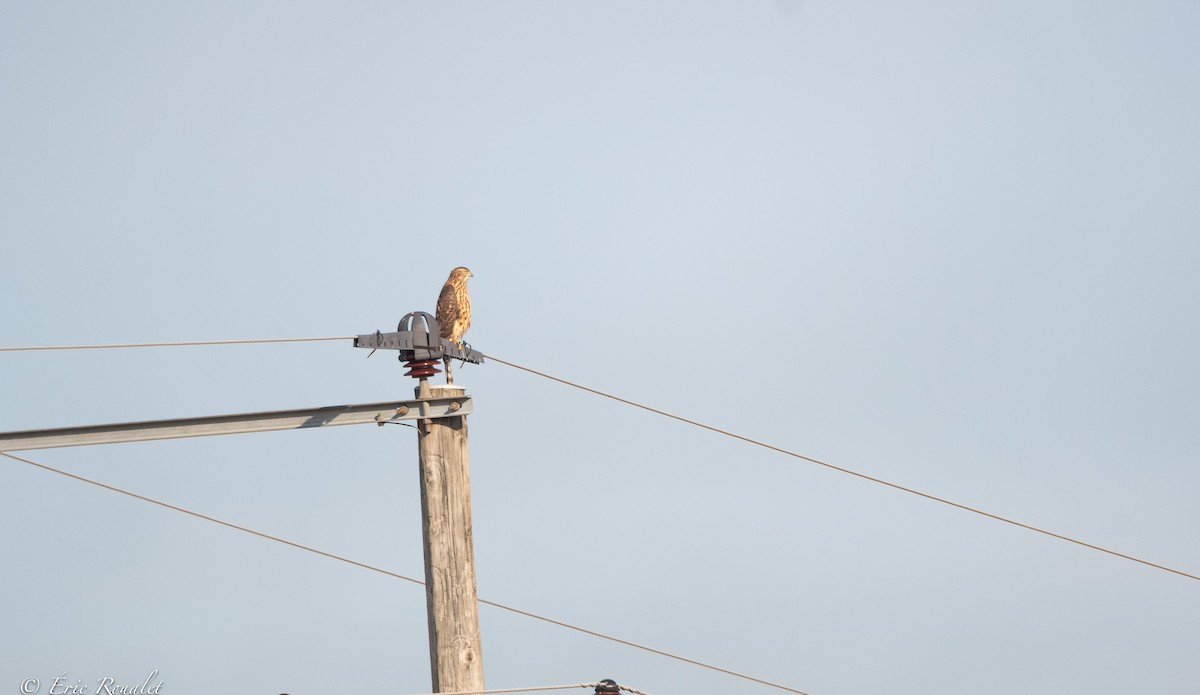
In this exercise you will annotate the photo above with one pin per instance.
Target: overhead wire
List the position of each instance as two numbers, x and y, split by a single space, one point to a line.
380 570
695 423
214 520
495 691
492 691
180 343
840 469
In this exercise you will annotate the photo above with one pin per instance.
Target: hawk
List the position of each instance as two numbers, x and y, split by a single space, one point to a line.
454 311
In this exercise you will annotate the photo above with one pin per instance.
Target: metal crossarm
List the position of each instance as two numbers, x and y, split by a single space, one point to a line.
379 413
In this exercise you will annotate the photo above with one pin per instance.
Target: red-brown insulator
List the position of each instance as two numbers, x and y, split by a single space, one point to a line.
419 369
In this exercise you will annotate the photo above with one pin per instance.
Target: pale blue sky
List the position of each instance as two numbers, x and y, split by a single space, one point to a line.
953 245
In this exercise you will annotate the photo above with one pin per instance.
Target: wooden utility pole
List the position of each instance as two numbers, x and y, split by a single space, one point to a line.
455 656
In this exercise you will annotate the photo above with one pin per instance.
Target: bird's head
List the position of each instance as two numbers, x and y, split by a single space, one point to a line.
461 273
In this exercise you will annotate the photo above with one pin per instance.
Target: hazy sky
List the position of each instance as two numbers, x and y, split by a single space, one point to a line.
952 245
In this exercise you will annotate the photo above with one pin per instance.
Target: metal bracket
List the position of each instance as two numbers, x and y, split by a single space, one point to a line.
417 337
426 422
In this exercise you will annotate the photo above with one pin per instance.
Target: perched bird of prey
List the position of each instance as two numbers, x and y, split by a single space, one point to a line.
454 310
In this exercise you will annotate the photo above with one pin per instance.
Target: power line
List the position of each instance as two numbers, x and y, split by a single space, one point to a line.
695 423
572 686
643 647
215 520
395 575
521 690
173 344
848 471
